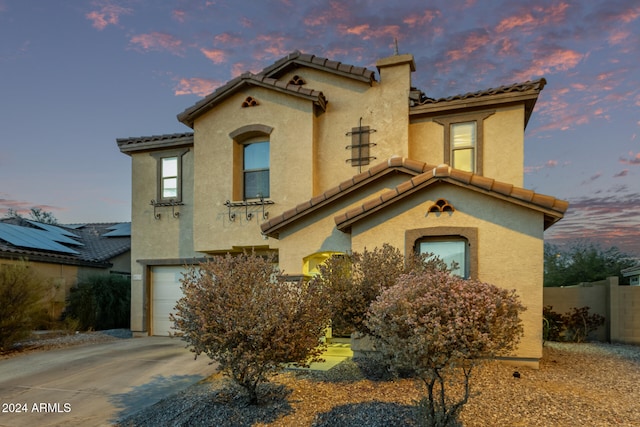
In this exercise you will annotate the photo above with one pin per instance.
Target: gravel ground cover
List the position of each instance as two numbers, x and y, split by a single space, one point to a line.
590 384
48 340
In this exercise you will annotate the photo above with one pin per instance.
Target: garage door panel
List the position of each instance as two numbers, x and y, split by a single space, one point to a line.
165 290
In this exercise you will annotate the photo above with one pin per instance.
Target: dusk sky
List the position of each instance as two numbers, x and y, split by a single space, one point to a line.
75 75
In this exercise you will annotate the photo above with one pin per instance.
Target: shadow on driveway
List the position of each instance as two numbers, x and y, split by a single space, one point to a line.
146 395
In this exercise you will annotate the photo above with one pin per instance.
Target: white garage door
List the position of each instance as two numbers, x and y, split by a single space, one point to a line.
165 293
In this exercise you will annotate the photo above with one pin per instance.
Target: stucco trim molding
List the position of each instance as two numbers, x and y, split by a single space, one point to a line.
250 131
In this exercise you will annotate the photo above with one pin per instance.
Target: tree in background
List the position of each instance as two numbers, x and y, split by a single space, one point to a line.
582 262
243 313
440 327
35 214
21 305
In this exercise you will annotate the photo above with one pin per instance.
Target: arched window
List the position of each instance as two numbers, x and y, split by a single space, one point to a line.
255 170
252 162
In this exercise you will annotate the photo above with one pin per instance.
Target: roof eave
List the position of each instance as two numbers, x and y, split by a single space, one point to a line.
189 116
129 148
344 221
440 107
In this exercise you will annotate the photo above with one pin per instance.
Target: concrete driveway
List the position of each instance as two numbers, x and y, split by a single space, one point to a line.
95 385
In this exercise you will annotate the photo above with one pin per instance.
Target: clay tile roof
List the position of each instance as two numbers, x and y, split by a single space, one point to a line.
526 92
298 59
127 145
552 208
189 115
535 85
411 167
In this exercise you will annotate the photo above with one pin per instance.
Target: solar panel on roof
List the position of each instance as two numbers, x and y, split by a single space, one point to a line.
119 230
26 237
53 229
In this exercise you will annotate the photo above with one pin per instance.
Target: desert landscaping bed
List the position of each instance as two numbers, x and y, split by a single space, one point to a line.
577 384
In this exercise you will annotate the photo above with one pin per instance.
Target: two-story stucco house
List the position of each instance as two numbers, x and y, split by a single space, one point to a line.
311 157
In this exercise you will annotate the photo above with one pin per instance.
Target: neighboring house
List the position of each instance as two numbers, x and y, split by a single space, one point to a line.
64 254
311 157
633 273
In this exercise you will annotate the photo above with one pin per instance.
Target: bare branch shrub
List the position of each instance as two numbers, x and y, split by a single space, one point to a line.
242 313
440 326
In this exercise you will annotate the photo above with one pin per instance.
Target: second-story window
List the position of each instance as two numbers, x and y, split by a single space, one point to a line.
169 180
255 173
463 146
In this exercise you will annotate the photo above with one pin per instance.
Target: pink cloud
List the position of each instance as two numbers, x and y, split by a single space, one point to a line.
196 86
228 39
157 41
618 36
217 56
548 165
634 159
527 21
623 172
179 15
420 19
107 14
322 17
471 44
552 61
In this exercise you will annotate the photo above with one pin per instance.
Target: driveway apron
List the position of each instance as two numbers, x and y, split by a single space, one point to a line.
95 385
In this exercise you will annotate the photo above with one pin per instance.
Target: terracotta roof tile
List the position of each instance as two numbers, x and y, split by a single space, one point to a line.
502 188
482 182
415 165
130 144
297 59
318 199
522 194
303 206
189 115
516 87
461 175
479 183
543 200
395 161
411 167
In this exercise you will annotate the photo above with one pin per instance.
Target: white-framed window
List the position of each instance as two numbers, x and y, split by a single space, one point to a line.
169 177
255 170
453 250
463 146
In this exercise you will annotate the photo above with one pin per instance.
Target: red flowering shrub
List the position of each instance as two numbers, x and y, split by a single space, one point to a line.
242 313
440 326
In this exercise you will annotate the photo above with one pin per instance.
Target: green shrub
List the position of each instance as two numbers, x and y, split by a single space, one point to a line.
21 306
579 323
574 326
552 324
101 302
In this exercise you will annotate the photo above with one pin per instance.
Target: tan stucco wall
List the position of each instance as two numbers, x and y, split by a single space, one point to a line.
317 232
503 144
594 295
60 278
164 238
510 244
